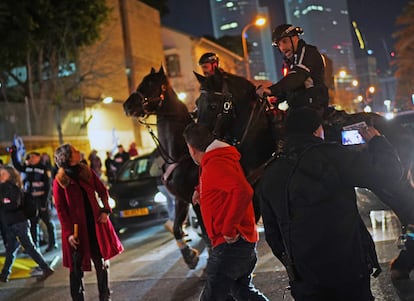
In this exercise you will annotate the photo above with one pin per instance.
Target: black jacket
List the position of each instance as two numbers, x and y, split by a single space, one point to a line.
11 211
36 182
306 62
320 224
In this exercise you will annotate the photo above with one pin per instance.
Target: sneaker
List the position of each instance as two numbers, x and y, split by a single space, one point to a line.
46 274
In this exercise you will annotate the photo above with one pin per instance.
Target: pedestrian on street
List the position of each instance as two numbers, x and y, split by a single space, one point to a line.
75 188
310 213
133 151
120 157
12 215
110 169
37 185
304 83
227 211
95 162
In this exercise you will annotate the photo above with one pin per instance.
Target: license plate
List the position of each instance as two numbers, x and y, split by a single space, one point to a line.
134 212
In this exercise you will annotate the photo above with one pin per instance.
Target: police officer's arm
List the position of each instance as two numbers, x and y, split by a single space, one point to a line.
16 162
311 63
292 81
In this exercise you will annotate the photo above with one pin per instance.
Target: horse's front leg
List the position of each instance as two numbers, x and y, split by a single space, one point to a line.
190 255
181 212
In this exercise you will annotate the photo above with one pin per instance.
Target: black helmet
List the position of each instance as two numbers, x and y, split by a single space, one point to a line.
208 57
285 30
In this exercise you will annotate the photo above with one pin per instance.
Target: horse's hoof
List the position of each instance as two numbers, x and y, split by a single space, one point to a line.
190 256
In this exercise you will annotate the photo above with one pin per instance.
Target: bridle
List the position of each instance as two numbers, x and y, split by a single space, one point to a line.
146 101
143 121
227 112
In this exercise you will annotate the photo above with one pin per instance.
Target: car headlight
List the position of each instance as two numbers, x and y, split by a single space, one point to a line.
112 203
160 198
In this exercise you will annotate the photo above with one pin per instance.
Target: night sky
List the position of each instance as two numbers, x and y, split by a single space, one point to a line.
375 18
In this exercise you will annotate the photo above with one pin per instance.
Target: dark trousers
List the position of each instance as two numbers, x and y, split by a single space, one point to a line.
45 215
356 291
18 234
229 270
102 275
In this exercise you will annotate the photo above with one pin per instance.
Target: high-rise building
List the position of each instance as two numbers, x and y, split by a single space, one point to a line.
231 17
327 25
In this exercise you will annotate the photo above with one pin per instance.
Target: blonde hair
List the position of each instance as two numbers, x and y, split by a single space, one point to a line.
14 175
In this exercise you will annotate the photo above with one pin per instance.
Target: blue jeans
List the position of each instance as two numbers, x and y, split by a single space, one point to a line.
18 234
229 270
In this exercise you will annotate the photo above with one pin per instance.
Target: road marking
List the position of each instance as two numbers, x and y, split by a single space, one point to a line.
158 253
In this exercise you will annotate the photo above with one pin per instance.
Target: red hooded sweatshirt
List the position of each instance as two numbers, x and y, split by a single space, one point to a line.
225 195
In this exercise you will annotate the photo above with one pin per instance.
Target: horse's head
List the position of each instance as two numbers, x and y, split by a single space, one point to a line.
225 100
149 94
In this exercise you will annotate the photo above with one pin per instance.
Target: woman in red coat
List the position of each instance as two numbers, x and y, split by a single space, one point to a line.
75 190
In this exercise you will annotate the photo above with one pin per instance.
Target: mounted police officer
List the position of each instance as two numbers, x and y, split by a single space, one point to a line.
208 62
303 85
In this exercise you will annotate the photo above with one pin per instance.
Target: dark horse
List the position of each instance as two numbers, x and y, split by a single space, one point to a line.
222 90
229 106
155 95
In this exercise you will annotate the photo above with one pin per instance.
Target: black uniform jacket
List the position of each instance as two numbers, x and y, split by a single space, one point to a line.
308 199
11 198
306 63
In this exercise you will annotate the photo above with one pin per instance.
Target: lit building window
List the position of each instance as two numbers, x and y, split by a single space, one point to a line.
229 26
173 65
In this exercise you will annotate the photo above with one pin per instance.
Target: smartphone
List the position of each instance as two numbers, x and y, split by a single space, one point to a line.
352 137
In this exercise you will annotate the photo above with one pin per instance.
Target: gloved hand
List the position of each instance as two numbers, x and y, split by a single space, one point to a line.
263 92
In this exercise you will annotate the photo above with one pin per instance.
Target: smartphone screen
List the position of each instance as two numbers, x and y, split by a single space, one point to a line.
352 137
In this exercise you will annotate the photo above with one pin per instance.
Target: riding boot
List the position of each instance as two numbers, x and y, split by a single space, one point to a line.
190 256
76 286
102 276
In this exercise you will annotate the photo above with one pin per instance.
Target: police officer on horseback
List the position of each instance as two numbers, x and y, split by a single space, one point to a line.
303 85
208 62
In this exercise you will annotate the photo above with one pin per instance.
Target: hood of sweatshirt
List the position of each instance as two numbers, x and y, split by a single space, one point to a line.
221 150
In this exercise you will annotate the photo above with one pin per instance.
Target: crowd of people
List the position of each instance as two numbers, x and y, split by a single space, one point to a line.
26 198
307 196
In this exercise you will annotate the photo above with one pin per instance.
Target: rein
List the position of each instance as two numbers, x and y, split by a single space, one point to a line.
227 108
164 154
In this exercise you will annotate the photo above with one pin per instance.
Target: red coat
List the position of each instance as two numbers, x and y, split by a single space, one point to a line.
225 195
70 207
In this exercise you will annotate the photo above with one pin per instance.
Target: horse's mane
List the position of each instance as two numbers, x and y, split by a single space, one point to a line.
239 86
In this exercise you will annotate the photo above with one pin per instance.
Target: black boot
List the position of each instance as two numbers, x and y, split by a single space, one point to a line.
76 286
190 256
102 277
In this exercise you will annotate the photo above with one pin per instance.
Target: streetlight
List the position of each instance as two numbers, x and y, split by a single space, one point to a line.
258 22
369 93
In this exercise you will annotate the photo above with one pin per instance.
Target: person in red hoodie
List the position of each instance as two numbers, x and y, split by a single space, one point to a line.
227 211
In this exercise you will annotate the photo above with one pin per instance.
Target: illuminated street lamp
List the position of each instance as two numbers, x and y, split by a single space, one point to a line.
107 100
257 22
369 93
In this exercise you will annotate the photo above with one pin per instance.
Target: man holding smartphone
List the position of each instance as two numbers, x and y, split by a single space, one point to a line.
309 210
